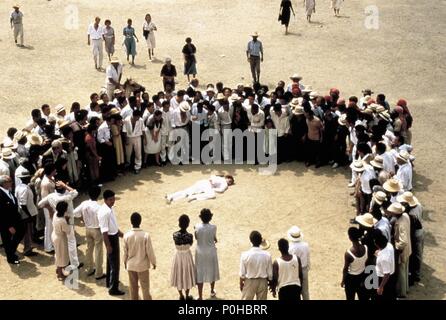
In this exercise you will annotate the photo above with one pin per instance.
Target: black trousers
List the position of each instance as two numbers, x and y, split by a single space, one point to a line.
11 242
290 293
313 151
113 263
389 292
108 169
354 285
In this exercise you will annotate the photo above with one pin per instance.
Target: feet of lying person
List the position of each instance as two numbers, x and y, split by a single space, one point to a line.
168 200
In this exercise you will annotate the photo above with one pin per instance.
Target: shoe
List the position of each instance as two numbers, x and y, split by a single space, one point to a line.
30 254
351 185
190 298
136 172
335 165
101 277
213 294
16 262
80 265
91 273
116 292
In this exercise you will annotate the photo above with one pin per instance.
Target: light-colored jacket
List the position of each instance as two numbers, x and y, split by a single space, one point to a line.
402 237
138 251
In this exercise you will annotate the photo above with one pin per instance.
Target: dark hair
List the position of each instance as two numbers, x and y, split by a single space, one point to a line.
158 112
49 168
256 238
61 208
108 194
94 192
137 113
93 95
75 105
183 221
181 93
107 21
135 219
228 176
188 40
44 106
353 99
205 215
380 148
66 130
380 240
283 246
277 107
11 132
35 113
354 234
132 100
80 115
91 127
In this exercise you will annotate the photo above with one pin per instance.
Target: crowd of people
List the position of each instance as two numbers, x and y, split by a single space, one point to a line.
58 153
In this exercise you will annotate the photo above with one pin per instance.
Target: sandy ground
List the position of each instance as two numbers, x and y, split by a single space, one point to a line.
403 58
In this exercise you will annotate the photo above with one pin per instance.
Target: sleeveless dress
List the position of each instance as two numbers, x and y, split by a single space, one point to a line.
183 273
206 253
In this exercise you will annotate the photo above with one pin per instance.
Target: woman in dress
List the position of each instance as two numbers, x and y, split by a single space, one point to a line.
310 8
109 39
60 239
183 275
206 253
130 36
336 6
168 73
148 30
152 139
92 156
285 12
190 62
115 129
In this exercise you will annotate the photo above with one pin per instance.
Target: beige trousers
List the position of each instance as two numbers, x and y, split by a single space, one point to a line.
305 289
98 52
18 31
94 243
255 288
144 281
134 145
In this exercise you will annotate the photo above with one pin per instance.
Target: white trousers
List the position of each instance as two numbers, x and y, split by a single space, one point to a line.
18 32
201 189
47 242
164 146
98 52
72 248
227 142
134 144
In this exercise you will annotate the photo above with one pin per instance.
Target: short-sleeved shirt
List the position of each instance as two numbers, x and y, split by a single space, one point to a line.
255 48
189 52
129 32
16 17
95 34
113 73
107 220
385 261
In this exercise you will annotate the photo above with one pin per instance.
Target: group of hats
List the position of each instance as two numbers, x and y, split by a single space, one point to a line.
378 110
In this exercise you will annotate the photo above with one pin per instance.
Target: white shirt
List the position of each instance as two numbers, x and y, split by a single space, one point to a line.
367 175
176 118
388 162
95 34
257 121
174 104
112 73
282 122
167 126
385 261
104 133
404 174
89 210
136 131
54 198
201 117
126 112
224 116
256 263
219 184
4 168
107 220
300 249
16 17
25 197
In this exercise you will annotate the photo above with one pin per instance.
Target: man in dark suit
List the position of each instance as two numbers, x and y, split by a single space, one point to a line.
11 225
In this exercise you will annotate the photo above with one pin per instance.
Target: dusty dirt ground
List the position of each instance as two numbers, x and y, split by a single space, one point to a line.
403 58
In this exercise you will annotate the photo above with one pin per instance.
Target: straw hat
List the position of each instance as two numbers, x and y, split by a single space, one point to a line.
35 139
7 154
358 166
265 244
296 76
366 220
314 94
184 106
23 174
404 155
16 6
220 96
368 92
385 115
396 208
13 145
19 135
307 89
255 34
59 108
114 59
378 162
234 97
114 111
294 234
63 123
379 197
392 185
298 110
294 103
210 89
342 120
409 198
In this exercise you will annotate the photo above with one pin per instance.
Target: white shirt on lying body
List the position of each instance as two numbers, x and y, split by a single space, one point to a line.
89 210
256 263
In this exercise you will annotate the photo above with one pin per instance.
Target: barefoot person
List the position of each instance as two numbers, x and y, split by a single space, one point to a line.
16 21
286 7
95 34
203 189
310 8
149 29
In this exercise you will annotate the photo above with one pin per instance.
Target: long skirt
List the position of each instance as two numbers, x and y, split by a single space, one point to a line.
190 67
109 46
130 46
183 274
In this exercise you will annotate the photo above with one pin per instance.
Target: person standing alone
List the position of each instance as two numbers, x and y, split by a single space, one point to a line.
17 24
254 53
286 7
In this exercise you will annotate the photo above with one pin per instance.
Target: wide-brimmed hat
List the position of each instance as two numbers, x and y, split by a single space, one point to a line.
294 234
357 166
210 89
16 6
265 244
35 139
19 135
63 123
7 154
307 89
342 120
234 97
13 145
367 91
366 220
59 108
255 34
378 162
396 208
379 197
23 174
115 59
114 111
409 198
220 96
296 76
392 185
385 115
403 155
314 94
184 106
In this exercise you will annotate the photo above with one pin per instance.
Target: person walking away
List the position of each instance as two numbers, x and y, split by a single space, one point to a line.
301 249
310 8
59 236
138 256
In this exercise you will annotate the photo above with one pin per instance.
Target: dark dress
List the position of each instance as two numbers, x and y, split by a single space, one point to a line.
189 51
286 12
168 72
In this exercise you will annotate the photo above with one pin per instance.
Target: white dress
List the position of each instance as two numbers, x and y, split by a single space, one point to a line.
206 260
151 38
152 147
309 6
336 4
